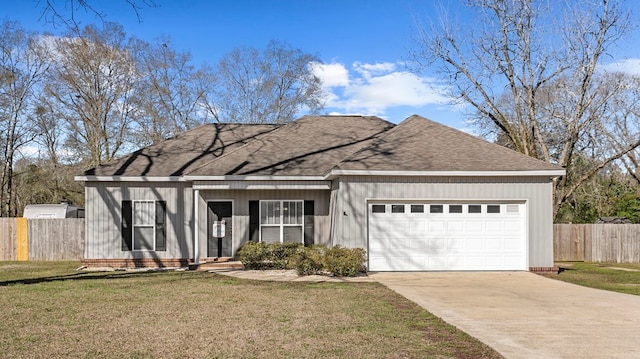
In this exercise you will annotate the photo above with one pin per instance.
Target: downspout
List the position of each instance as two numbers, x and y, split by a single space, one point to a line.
333 202
196 229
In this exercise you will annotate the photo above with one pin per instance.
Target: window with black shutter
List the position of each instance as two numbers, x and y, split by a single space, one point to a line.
144 225
281 221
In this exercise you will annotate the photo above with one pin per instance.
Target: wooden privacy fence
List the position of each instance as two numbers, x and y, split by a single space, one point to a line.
41 239
618 243
63 239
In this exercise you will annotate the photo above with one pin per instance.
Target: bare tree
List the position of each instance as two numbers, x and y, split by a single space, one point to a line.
65 12
174 95
91 88
529 70
271 86
21 70
49 131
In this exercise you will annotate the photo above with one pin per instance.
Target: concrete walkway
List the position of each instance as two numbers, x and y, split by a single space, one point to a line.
285 276
523 315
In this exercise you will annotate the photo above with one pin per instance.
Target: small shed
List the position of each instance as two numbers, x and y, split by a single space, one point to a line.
47 211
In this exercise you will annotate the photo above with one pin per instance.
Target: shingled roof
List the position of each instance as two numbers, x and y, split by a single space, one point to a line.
317 145
310 146
177 155
418 144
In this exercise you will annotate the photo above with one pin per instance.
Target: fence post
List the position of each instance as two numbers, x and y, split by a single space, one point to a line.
22 239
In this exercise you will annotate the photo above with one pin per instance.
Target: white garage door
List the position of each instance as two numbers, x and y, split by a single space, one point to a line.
446 236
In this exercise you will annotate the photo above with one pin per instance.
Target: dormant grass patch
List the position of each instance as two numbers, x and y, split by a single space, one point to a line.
50 310
617 277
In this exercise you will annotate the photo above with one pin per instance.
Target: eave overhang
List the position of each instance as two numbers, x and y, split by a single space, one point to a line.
129 179
308 182
535 173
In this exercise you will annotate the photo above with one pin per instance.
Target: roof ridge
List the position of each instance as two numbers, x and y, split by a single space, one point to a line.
377 135
381 136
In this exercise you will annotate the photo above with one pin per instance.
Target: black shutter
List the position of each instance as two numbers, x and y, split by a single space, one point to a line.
127 226
254 221
308 223
161 237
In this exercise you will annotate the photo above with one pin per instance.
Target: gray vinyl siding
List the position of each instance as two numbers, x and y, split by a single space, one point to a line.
353 192
103 205
241 200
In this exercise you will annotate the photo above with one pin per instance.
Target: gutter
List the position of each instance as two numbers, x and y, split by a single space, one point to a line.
335 173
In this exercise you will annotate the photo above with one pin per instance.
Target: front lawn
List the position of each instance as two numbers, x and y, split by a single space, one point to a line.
617 277
49 310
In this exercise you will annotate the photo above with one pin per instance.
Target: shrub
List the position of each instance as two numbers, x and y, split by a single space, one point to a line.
253 255
345 262
309 260
268 255
342 262
283 255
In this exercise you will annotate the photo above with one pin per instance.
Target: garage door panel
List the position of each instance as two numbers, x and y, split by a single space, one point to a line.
387 263
455 227
380 246
392 244
456 244
436 226
402 251
475 226
492 262
418 244
397 235
474 262
513 261
436 262
399 263
378 227
513 245
474 243
455 262
417 226
415 262
493 243
493 225
512 226
448 241
437 243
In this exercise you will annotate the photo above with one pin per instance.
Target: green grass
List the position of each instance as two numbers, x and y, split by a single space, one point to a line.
603 276
49 310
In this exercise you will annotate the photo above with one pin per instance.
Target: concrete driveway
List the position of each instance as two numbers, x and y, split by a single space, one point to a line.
523 315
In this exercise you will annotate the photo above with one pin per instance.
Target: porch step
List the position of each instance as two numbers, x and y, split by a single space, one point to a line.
217 259
218 264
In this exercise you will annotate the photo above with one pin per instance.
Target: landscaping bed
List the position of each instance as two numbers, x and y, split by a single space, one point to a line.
312 260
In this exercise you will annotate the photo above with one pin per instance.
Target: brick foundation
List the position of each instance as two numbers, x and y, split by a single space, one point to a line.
544 270
137 263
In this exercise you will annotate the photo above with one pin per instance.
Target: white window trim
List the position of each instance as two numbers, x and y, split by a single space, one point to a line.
281 223
134 226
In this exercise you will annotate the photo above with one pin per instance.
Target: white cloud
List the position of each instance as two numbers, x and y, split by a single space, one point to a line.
332 75
627 66
368 70
375 88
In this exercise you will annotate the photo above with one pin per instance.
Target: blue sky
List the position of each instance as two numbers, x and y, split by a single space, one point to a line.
363 43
